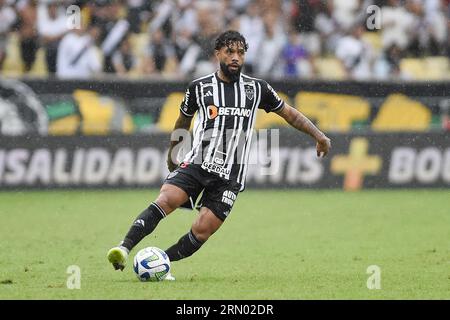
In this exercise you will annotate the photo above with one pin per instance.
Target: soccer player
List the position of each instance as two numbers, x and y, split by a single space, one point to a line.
226 102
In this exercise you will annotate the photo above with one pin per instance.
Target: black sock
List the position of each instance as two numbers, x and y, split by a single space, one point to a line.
144 224
185 247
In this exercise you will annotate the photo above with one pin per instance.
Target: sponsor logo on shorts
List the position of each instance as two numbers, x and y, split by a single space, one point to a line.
228 197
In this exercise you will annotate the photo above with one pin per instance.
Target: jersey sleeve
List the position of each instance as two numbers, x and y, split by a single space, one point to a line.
189 106
270 101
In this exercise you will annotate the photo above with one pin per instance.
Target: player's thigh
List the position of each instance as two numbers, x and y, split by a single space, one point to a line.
180 185
205 224
171 197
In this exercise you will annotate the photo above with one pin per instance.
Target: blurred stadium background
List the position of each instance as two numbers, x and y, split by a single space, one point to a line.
125 69
171 39
92 108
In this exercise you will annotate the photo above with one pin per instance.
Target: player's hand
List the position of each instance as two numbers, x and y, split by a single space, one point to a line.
323 146
170 164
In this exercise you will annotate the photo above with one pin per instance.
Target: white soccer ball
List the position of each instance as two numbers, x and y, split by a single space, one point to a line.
151 264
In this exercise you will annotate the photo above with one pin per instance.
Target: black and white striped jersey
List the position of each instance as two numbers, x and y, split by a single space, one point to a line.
224 121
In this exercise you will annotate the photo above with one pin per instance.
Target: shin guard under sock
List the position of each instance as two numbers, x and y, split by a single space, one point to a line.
144 224
185 247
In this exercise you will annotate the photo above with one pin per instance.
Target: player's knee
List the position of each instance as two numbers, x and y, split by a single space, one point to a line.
171 197
165 203
201 231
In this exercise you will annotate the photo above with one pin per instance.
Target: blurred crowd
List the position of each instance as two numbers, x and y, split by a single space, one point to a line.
174 38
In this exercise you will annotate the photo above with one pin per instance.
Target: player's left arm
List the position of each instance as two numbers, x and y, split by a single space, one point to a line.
299 121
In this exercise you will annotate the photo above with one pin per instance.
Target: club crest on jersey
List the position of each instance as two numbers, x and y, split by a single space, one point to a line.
214 111
250 93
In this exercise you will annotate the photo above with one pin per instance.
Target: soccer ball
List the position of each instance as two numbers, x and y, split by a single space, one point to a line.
151 264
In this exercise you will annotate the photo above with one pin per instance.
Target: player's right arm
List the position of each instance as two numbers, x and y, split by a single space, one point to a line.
299 121
187 110
271 102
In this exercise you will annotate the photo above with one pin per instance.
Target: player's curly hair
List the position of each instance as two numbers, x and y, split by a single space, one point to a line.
229 37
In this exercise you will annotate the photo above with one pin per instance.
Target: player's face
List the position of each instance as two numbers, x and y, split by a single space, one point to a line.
231 59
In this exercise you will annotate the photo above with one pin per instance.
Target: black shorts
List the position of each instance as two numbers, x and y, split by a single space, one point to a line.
218 194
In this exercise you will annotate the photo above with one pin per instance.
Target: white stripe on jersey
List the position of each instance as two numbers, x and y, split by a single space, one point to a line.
249 136
240 127
219 142
216 98
218 145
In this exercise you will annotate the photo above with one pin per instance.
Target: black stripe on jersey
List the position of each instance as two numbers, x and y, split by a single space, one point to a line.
203 143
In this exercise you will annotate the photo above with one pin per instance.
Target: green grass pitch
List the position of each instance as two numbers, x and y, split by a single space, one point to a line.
275 245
